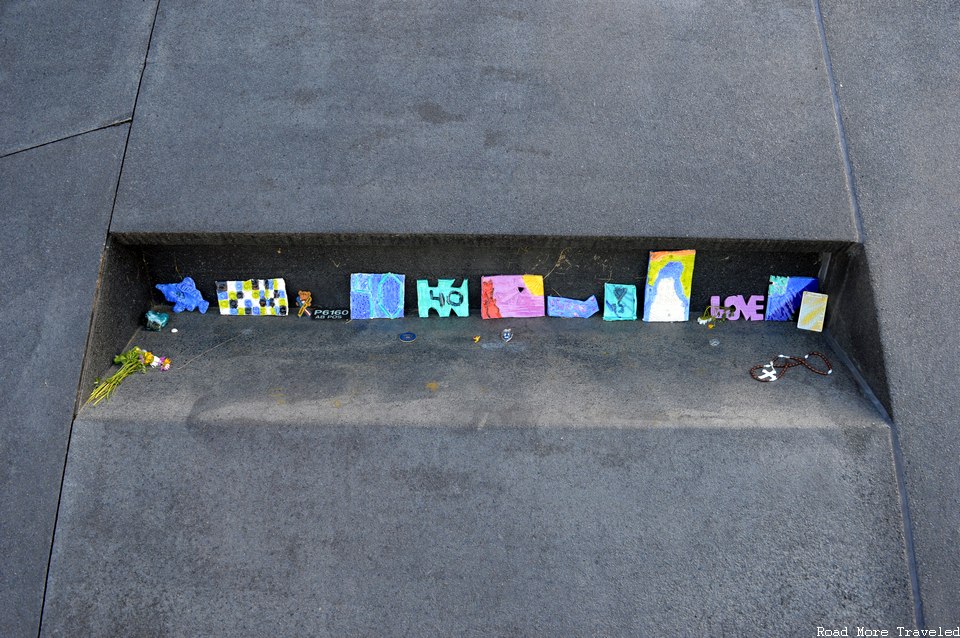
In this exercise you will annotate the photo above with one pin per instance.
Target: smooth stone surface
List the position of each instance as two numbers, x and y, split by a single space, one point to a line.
294 477
56 206
239 527
68 67
899 82
607 118
173 528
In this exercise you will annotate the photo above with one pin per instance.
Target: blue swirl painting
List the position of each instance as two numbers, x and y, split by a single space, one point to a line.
785 294
378 296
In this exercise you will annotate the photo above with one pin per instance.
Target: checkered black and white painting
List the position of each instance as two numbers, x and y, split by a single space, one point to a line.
253 297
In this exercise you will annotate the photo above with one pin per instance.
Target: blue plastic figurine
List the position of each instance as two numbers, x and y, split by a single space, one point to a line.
184 296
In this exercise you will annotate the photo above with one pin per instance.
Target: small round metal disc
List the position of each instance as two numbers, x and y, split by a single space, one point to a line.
407 337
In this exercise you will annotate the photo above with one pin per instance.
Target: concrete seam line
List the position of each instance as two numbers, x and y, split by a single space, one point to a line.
838 118
123 120
100 273
899 473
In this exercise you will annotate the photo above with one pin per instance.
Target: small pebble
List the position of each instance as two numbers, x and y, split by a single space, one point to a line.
714 342
173 330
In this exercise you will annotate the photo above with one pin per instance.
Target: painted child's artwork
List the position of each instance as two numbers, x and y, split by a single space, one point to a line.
749 309
572 308
511 296
378 296
184 296
253 297
785 294
813 309
669 281
444 298
619 302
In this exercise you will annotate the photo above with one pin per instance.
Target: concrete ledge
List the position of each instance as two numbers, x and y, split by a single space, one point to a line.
554 372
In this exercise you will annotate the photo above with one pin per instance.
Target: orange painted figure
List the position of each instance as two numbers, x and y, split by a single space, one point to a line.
305 301
489 309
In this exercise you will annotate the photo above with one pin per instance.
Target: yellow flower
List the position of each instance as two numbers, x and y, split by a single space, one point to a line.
148 358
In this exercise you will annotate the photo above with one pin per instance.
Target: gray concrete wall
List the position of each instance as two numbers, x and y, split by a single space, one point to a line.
897 66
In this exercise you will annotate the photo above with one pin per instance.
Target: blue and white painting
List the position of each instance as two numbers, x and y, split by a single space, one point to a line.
376 296
785 294
669 282
572 308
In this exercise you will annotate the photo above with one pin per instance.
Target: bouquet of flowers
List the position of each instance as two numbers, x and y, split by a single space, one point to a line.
133 360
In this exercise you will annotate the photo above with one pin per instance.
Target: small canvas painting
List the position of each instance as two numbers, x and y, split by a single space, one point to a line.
511 296
785 294
572 308
813 309
253 297
669 282
619 302
376 296
444 298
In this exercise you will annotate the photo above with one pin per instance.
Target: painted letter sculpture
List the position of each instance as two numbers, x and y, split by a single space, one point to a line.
744 310
444 298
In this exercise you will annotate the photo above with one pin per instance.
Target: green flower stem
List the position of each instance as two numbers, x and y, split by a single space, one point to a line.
130 363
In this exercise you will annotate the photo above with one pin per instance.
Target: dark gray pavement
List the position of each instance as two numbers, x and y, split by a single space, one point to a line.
545 118
571 373
536 487
57 201
68 67
898 69
634 120
239 527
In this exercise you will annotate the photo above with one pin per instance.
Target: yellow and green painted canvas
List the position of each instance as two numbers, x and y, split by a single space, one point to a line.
813 309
